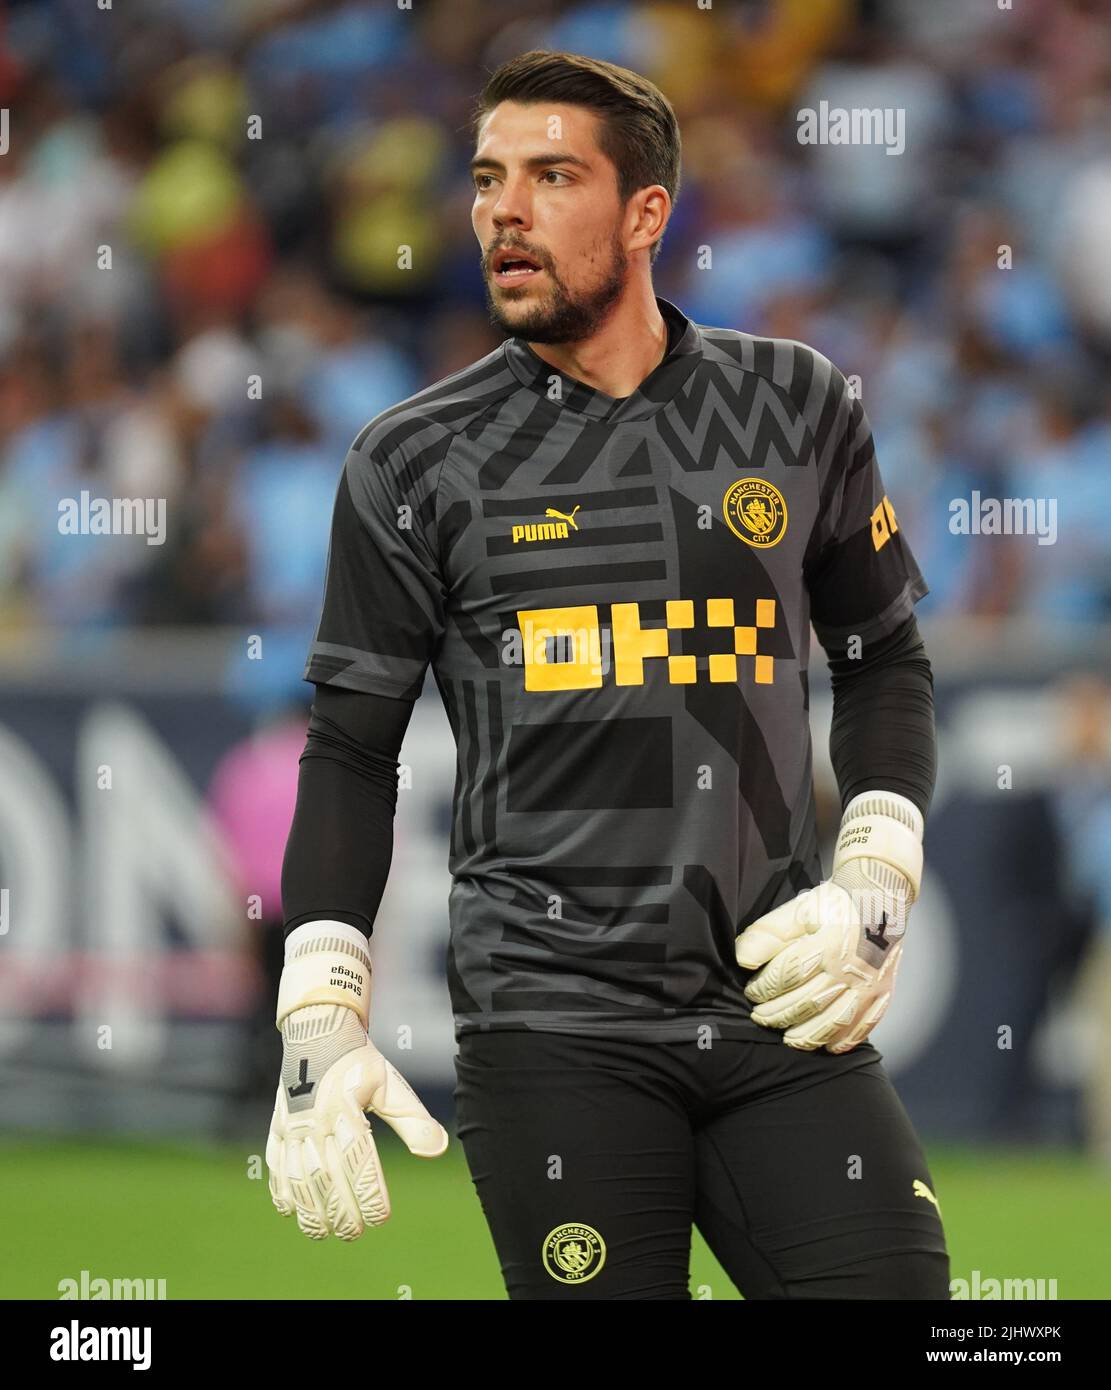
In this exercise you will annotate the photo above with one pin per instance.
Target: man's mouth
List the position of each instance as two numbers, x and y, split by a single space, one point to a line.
513 267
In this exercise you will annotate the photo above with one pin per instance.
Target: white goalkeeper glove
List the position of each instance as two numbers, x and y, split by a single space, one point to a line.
830 955
321 1154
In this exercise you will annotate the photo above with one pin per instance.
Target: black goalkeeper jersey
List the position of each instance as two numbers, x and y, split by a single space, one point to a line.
615 598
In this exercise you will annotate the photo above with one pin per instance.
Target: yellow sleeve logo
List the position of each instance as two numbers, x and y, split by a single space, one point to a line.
884 524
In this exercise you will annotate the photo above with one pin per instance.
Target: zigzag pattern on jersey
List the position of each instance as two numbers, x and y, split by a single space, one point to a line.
414 438
786 405
747 419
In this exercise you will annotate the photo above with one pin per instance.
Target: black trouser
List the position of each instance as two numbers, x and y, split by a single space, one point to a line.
592 1158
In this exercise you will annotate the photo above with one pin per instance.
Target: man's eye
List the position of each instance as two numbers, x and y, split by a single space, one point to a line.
550 173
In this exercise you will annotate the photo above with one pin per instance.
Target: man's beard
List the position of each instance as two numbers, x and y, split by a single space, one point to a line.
563 316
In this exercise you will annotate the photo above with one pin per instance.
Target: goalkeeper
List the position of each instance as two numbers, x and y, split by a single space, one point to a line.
662 1004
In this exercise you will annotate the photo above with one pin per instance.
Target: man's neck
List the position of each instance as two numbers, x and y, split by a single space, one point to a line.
626 349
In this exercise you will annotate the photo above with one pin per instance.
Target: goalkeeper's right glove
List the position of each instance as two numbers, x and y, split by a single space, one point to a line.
321 1154
830 955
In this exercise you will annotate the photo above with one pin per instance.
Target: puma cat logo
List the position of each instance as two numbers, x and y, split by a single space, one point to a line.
548 530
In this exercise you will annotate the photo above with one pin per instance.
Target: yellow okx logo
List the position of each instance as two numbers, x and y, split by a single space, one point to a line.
578 631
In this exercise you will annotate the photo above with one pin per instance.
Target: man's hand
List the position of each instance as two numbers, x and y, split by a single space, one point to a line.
830 955
321 1154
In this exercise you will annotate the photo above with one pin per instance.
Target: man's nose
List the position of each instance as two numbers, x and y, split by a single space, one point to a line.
511 208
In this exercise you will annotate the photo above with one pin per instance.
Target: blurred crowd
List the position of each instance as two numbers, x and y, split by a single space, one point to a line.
202 201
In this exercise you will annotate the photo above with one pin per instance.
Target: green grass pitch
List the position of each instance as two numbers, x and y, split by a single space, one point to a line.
196 1218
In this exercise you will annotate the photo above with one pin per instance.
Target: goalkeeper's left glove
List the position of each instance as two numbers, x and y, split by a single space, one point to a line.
830 955
321 1154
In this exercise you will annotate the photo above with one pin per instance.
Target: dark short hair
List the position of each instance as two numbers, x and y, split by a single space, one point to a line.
638 132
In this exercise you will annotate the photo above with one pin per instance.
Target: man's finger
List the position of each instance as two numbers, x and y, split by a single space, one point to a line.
344 1216
826 1023
309 1184
855 1035
368 1182
405 1113
798 1005
795 965
280 1194
761 939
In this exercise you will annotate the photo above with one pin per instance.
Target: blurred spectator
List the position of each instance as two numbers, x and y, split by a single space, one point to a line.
232 234
1065 461
251 800
1084 815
